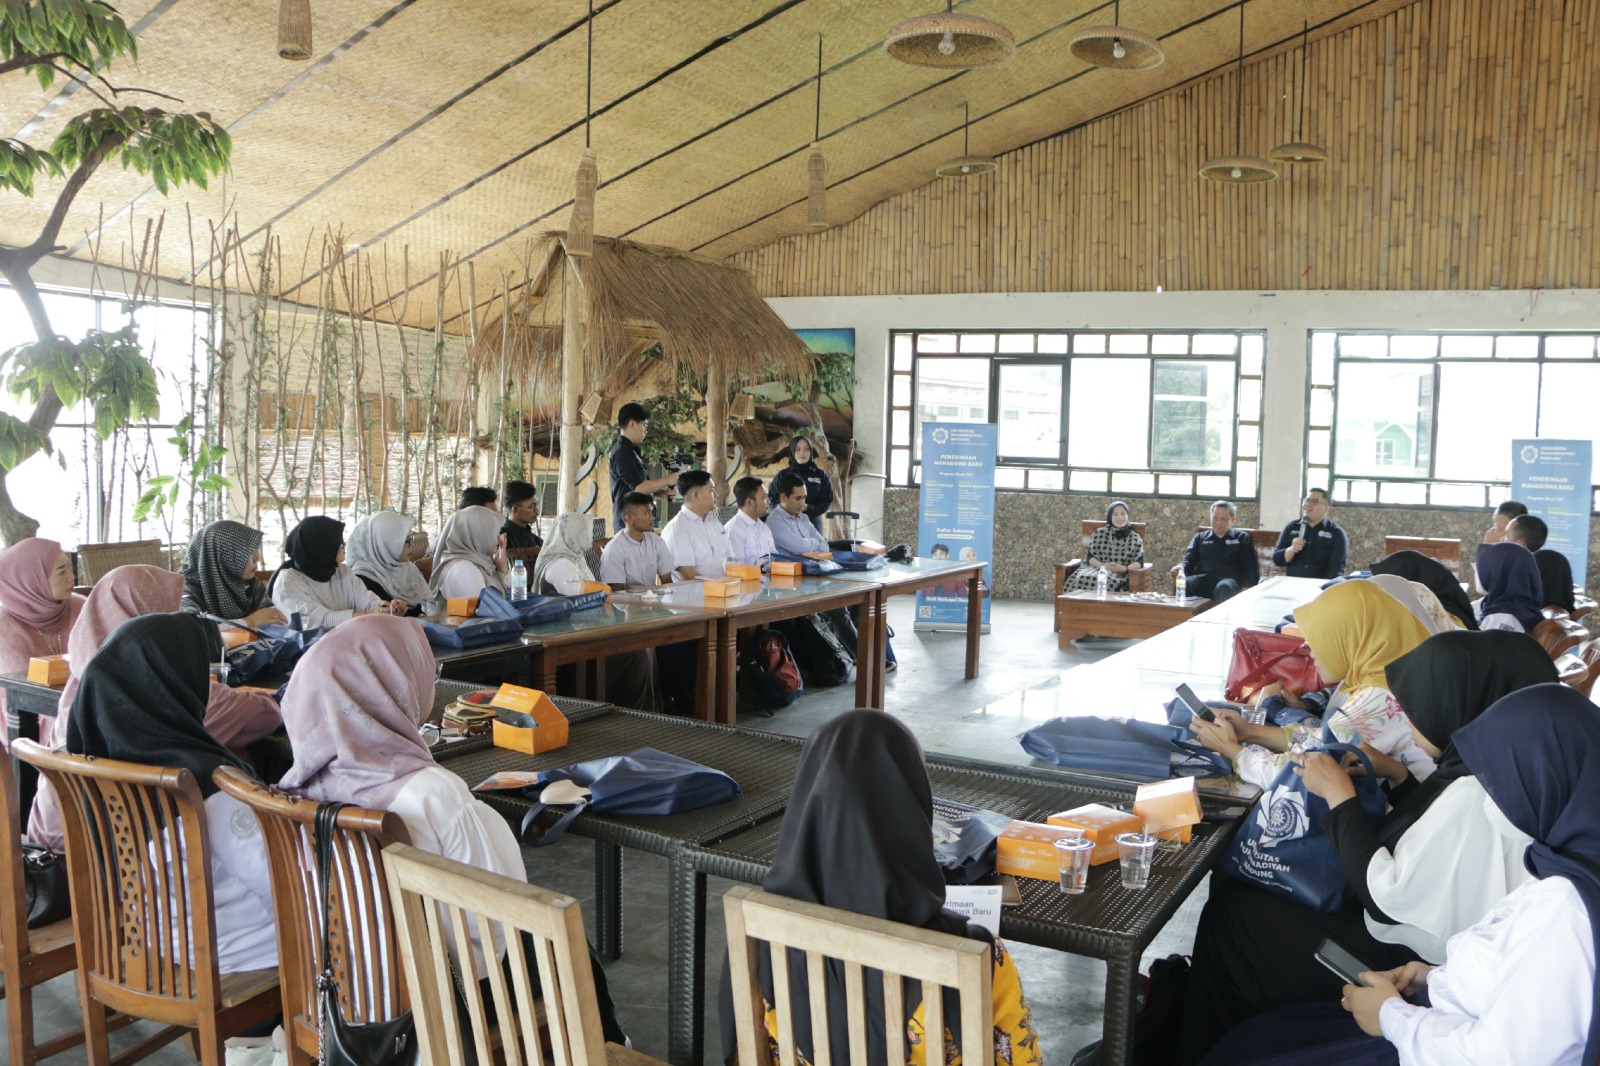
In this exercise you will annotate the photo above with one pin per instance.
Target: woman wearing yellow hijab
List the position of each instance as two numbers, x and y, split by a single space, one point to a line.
1354 630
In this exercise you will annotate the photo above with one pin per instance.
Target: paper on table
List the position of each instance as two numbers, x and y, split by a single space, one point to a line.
978 904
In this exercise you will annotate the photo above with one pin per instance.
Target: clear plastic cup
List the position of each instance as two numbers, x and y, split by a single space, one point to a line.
1136 851
1072 860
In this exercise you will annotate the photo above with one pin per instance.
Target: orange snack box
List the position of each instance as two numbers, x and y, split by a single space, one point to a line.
743 571
49 670
463 607
1028 849
817 555
233 636
1172 804
787 569
1100 824
549 730
722 590
780 581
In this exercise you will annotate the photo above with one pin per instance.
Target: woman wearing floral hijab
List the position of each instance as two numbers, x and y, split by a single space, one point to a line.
1114 546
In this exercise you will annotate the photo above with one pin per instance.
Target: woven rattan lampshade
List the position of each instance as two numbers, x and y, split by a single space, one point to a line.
294 29
816 165
966 165
950 39
1238 168
1117 47
743 408
1299 150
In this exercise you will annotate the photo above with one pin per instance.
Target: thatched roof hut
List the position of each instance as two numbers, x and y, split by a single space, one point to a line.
701 311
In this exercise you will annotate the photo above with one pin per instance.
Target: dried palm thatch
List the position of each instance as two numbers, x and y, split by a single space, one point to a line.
698 310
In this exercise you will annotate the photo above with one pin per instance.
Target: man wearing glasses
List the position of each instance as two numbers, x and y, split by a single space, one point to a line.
1313 545
521 502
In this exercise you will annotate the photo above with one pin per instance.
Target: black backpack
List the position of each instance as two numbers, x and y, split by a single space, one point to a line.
825 660
774 675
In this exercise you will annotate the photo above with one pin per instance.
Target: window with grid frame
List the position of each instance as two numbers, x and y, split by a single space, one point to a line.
1426 418
1127 412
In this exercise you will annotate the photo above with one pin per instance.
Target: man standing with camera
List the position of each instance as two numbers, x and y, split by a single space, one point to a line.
627 462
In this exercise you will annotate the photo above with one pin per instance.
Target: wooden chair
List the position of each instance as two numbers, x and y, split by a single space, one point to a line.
139 921
95 561
365 946
559 1024
1140 579
1583 604
1559 635
1571 670
1589 652
938 960
1442 549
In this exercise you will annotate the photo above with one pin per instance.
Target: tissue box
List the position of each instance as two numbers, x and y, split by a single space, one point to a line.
49 670
1100 824
1028 849
787 569
535 724
722 590
1164 805
743 572
464 607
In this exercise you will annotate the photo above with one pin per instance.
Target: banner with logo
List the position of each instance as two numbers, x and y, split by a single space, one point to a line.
1554 478
957 515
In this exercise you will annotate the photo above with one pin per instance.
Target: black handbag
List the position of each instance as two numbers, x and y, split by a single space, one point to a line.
388 1043
44 874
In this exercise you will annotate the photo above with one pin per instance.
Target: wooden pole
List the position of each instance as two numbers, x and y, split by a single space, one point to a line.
717 426
574 347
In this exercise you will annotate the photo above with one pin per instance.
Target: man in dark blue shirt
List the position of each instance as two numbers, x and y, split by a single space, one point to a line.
1220 561
1313 545
627 463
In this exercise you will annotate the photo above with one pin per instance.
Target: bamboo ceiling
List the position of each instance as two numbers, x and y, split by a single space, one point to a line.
452 127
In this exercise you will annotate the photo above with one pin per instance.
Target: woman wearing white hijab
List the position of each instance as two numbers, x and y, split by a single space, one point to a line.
376 553
471 554
561 568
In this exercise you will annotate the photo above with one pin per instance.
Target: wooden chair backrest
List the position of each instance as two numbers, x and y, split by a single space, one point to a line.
1265 542
1559 635
1442 549
364 943
425 564
138 922
432 896
13 890
95 561
937 960
1590 654
1092 524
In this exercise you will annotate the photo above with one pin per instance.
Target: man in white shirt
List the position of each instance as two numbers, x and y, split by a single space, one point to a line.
749 535
792 531
699 544
636 557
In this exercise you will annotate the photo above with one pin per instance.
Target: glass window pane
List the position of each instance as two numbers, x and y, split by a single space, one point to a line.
173 339
1170 344
936 342
899 465
902 351
1567 403
1249 441
1445 494
1212 486
1363 346
1030 410
1385 419
1016 342
1244 472
1215 344
900 428
1363 492
1009 477
1250 398
1129 343
902 390
1403 492
1132 482
1466 346
950 390
1090 343
1519 346
1046 480
1109 413
1175 484
1413 346
1321 407
1088 481
977 342
1560 346
1252 350
1482 408
1319 443
1322 358
1053 343
1192 415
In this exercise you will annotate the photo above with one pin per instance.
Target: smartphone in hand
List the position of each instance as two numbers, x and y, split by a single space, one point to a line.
1344 965
1195 704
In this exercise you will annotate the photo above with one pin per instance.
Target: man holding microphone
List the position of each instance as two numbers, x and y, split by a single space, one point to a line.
1313 545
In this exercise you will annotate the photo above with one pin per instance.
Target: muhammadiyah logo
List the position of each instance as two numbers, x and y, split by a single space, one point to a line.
940 436
1530 452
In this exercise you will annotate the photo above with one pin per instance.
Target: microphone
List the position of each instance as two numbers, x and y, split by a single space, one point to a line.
1302 533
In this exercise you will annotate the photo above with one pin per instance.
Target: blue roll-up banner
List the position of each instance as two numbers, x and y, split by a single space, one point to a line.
1554 478
957 515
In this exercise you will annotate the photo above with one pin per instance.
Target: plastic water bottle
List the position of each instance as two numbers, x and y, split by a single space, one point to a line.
1181 584
519 581
1102 583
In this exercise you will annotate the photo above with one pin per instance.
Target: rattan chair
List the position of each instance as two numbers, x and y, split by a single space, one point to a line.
142 908
938 960
558 1024
95 561
364 943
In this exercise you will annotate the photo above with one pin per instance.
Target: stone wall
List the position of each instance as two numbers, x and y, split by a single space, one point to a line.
1034 531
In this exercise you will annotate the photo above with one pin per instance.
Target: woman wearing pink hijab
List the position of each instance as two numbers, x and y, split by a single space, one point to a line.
234 717
353 710
37 605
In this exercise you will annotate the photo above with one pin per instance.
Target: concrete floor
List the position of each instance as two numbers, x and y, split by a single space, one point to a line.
1066 992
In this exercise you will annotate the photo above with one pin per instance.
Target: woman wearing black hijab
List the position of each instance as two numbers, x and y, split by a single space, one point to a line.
1116 546
1435 864
142 699
314 582
819 490
1414 566
858 835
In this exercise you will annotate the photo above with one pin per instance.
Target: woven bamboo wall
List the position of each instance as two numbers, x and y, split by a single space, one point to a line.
1465 143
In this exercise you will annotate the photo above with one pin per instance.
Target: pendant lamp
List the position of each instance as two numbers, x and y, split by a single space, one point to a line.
1239 169
1117 47
580 229
966 165
1300 150
816 166
950 39
294 29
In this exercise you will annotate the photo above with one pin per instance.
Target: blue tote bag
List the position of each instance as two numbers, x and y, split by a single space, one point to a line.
1281 847
1121 745
642 782
471 632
